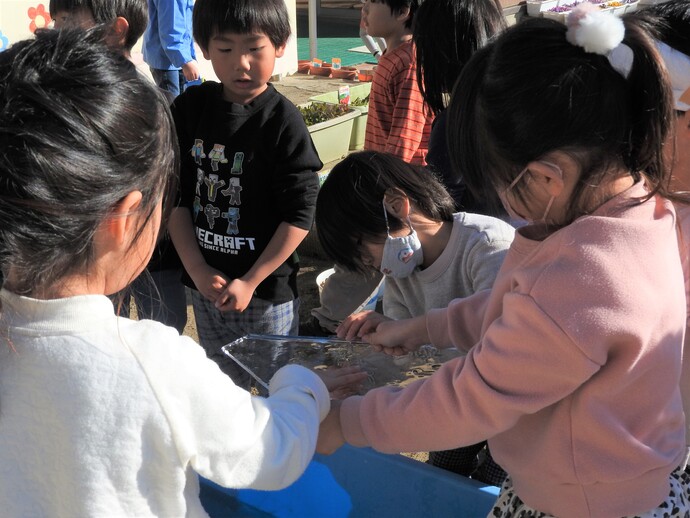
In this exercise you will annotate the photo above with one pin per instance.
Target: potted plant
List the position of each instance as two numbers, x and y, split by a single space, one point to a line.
359 100
330 127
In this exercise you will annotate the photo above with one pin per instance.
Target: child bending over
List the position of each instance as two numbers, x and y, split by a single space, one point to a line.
102 415
376 213
574 357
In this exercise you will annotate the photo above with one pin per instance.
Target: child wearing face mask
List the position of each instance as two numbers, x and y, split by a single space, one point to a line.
375 213
574 356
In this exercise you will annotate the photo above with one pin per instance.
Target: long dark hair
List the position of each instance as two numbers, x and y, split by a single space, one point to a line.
532 92
80 128
446 34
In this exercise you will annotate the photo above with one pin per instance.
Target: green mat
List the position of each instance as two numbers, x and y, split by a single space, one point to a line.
329 48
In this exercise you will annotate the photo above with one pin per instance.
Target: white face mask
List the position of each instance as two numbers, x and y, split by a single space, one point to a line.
401 255
506 204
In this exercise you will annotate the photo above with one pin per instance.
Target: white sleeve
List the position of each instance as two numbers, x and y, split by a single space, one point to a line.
223 432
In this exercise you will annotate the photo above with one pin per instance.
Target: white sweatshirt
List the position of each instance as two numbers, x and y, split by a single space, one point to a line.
104 416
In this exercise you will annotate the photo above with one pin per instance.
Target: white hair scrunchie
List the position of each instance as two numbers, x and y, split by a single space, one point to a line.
594 30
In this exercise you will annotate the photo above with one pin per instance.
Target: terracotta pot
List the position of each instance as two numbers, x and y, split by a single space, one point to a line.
345 73
365 76
320 71
303 66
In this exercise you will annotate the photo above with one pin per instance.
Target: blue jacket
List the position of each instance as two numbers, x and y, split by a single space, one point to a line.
168 42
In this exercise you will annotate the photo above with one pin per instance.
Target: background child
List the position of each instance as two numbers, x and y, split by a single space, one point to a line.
158 292
446 33
375 45
248 179
365 212
168 44
126 19
398 122
126 411
574 356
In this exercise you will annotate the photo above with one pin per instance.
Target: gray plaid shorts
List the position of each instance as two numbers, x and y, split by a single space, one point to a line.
217 328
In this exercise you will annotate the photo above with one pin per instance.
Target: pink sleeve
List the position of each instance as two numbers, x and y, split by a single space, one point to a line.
683 228
477 396
460 324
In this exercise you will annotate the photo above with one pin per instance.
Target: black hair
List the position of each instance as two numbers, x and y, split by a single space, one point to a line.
213 17
105 12
397 6
80 129
349 208
671 22
446 34
531 92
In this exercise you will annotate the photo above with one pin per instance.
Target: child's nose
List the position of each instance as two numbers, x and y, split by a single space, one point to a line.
242 62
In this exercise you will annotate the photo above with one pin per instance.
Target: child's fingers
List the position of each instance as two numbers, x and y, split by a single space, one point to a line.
368 327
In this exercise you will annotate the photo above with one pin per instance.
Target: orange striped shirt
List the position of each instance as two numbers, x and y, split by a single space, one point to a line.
398 122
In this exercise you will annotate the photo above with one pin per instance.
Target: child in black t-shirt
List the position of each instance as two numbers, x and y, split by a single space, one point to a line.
248 180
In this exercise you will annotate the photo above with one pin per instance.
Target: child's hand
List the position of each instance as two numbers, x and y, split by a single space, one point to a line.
330 432
399 337
209 281
236 296
342 382
359 324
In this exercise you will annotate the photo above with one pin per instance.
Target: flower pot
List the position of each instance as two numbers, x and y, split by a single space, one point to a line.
332 137
366 76
344 73
320 71
303 66
537 7
559 16
357 91
631 6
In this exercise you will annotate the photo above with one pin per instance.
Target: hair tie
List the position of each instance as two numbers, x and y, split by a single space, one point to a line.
594 30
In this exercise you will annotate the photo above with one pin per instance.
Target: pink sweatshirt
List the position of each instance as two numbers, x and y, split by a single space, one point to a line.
572 371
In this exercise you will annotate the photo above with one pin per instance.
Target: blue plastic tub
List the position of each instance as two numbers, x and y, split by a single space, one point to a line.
358 482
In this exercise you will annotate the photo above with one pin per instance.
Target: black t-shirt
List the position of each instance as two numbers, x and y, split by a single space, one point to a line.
245 169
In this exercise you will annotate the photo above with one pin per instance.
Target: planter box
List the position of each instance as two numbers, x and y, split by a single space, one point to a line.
358 482
332 137
537 7
360 124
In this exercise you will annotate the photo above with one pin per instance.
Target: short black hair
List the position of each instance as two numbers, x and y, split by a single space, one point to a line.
105 11
397 6
212 17
349 208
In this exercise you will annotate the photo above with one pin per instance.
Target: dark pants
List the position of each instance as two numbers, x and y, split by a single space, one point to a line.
171 80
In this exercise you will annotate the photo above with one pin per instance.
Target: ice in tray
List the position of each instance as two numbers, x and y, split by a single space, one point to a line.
263 355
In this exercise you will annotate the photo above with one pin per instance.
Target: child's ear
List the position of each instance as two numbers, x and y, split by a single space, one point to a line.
204 52
280 51
548 175
118 32
397 203
120 225
403 14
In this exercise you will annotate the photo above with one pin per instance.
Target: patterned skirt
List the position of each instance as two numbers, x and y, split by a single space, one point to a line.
677 504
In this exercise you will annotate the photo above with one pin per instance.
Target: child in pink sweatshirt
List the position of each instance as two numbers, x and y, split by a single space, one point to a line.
574 357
